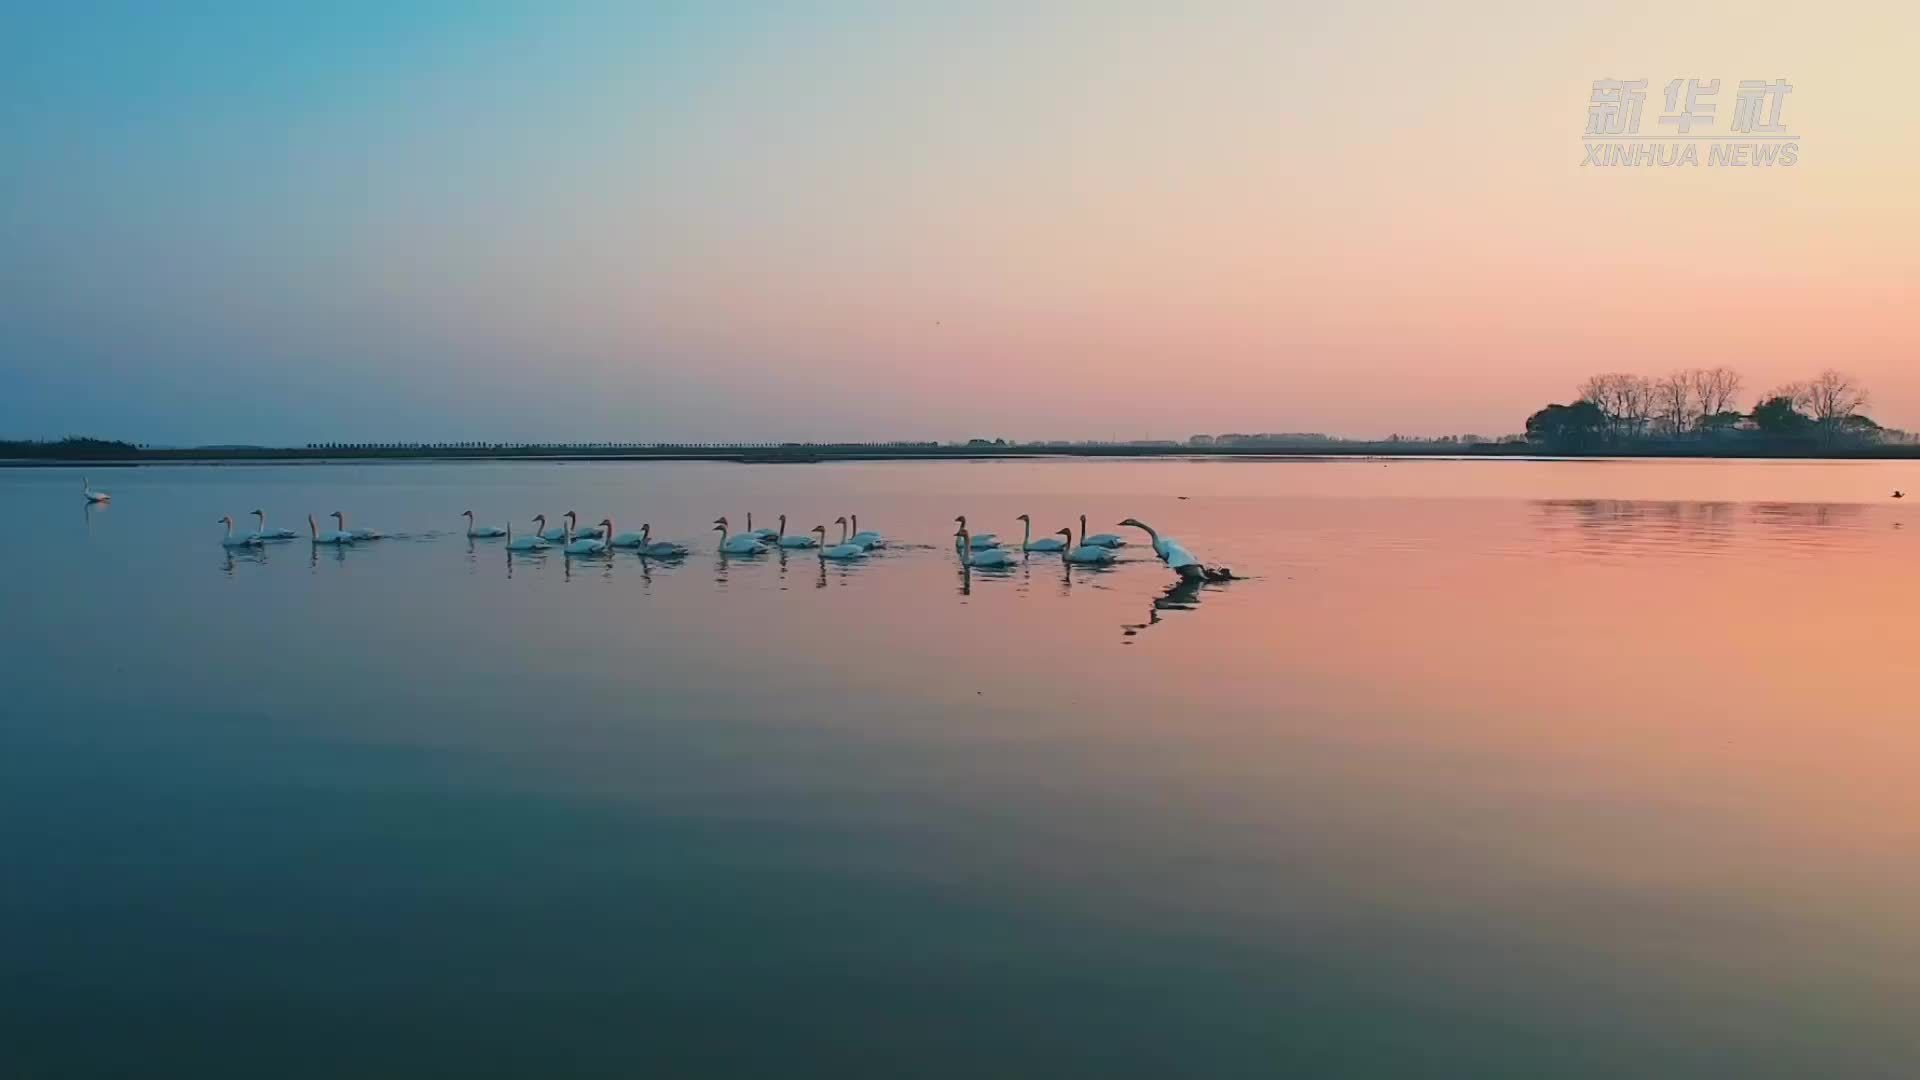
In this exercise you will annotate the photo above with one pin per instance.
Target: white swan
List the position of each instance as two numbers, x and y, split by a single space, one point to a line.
977 543
524 543
340 519
233 541
93 496
481 532
552 536
780 537
588 545
1028 543
658 549
838 552
1105 540
1085 554
971 555
1178 558
260 530
848 536
1160 543
334 537
866 538
738 543
1189 566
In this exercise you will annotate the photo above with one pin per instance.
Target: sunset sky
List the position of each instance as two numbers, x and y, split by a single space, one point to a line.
251 223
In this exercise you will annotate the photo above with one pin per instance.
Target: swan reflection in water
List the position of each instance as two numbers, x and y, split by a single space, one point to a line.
337 551
725 563
1182 595
233 556
1000 571
596 558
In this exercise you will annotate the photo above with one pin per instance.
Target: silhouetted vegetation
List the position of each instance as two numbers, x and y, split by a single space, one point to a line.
71 448
1576 427
1688 412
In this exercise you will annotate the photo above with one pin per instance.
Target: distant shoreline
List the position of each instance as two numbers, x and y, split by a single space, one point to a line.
806 454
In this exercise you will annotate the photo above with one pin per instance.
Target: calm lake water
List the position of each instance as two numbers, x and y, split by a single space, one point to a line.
1488 769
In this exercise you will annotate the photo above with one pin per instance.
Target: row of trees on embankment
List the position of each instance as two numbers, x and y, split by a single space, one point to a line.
1693 412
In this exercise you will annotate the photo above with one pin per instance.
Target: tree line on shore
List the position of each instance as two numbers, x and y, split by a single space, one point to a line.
71 448
1621 410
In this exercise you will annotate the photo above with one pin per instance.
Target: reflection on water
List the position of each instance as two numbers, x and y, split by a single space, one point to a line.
1612 527
1514 770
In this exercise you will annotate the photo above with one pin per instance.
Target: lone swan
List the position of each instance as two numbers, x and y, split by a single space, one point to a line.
1179 559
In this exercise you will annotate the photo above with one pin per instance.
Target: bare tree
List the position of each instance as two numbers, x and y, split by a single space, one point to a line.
1636 403
1832 398
1598 389
1626 400
1715 389
1798 393
1672 402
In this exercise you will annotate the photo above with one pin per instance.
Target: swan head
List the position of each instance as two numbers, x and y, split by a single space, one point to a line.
645 531
822 530
783 523
466 514
571 517
1068 533
1133 522
1028 518
227 521
838 521
258 513
962 520
540 520
720 523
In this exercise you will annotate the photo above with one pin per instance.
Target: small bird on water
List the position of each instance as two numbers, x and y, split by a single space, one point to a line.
1899 494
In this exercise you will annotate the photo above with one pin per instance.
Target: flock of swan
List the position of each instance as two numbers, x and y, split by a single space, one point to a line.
981 550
